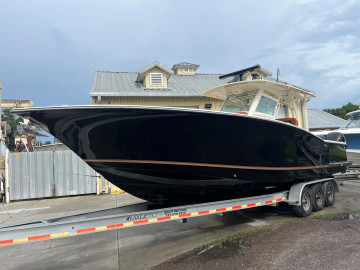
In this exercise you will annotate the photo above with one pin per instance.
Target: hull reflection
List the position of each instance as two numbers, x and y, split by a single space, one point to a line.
171 156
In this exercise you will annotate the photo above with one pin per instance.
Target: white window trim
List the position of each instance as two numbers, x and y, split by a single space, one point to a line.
186 70
161 76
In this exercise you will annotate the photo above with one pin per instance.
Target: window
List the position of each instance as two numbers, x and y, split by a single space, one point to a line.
266 106
156 79
353 122
239 103
255 76
186 70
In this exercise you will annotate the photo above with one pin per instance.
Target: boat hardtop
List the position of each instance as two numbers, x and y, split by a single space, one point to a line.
264 98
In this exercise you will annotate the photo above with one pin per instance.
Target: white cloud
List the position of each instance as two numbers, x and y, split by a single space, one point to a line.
335 57
319 49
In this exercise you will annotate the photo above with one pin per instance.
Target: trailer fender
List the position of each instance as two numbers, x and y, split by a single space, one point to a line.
296 190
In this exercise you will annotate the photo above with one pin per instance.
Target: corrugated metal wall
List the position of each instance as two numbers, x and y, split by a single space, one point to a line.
49 174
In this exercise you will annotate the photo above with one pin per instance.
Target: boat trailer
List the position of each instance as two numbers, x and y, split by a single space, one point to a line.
352 173
304 196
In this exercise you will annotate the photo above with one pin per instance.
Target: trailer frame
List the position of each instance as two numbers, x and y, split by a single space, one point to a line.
351 173
140 214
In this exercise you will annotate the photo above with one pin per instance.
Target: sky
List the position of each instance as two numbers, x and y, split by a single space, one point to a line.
49 50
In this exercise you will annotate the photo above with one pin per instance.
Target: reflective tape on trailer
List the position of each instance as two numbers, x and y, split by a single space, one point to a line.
137 222
180 216
353 171
33 238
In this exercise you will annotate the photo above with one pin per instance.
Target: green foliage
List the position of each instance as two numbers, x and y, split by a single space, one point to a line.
341 112
47 142
12 121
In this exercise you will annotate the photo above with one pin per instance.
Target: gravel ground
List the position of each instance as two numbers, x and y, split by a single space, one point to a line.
301 244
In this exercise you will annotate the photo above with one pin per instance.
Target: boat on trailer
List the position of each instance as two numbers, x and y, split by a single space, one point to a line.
351 132
257 144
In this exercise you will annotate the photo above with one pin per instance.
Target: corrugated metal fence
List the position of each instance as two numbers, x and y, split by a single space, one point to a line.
49 174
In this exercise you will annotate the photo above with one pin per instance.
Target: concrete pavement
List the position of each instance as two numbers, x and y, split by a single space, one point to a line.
132 248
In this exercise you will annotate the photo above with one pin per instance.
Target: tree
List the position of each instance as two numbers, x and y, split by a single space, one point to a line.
341 112
12 121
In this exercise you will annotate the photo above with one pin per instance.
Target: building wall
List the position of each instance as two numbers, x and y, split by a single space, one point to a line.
147 78
323 129
163 101
49 174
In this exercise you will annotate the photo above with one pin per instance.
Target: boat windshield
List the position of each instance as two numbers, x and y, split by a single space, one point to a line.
353 122
239 103
266 105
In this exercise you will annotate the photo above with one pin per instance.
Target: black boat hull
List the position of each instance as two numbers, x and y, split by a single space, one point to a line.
169 155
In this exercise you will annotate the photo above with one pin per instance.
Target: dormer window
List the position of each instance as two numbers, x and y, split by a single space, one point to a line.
185 68
255 76
156 79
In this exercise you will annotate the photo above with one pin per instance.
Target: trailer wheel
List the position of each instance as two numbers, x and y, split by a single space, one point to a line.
306 206
329 193
319 197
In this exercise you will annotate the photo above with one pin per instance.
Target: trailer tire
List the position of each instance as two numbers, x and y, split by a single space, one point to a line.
318 192
306 207
329 188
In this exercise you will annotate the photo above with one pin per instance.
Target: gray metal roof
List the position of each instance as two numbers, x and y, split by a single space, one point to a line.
185 65
113 83
322 120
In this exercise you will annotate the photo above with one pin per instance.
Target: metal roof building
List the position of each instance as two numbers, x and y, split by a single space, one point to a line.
113 83
320 120
132 84
181 89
